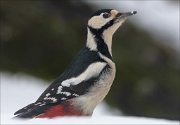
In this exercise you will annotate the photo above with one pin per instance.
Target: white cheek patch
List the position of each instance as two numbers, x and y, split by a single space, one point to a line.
98 21
111 30
92 70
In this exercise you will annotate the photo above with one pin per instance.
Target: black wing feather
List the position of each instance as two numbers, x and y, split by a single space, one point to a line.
37 110
25 109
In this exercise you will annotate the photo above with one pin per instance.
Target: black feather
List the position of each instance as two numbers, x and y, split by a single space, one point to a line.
25 109
34 112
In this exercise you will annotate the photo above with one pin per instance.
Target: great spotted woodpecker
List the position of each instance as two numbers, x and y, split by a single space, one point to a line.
88 79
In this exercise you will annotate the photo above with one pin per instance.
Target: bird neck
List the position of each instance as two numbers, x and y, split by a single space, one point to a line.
91 42
108 40
99 41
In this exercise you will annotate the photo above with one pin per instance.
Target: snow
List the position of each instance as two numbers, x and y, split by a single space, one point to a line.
18 90
95 120
160 18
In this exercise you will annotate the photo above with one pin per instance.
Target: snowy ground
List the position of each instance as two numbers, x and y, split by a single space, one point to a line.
19 90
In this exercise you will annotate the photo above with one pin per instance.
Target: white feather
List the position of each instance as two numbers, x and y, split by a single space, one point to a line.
91 44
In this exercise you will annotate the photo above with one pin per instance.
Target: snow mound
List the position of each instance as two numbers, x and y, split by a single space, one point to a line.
94 120
19 90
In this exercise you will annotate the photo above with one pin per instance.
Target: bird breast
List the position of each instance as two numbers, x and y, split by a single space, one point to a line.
97 93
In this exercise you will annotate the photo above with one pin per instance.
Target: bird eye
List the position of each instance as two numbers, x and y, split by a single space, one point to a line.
106 15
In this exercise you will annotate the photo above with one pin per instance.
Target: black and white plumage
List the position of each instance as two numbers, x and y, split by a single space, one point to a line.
88 78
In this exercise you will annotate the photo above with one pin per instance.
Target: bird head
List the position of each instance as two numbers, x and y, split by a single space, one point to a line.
108 19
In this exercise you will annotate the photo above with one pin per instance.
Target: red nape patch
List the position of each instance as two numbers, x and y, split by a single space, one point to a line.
60 110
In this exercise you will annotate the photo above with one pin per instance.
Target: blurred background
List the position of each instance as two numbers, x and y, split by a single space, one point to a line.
40 37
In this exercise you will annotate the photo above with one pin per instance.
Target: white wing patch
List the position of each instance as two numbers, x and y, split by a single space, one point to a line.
68 82
74 94
53 99
35 104
48 94
63 98
91 71
65 93
59 91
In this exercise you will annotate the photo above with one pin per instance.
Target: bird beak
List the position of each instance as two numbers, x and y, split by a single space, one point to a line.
124 15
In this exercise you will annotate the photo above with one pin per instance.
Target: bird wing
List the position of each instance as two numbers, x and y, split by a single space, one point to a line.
82 73
77 78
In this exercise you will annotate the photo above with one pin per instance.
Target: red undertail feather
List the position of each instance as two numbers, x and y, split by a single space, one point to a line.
60 110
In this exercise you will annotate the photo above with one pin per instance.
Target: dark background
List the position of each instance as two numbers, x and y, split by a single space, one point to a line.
40 37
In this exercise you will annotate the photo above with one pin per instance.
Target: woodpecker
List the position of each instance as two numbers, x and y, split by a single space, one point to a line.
89 77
